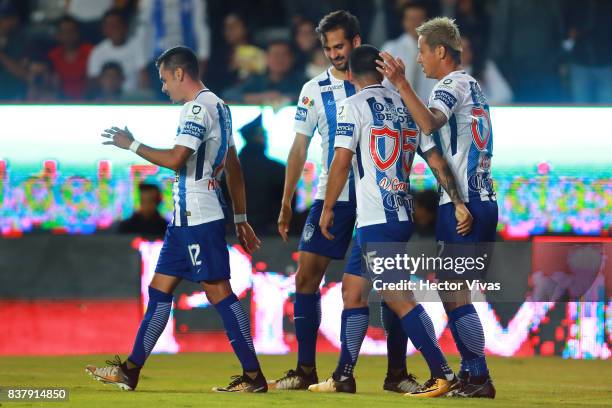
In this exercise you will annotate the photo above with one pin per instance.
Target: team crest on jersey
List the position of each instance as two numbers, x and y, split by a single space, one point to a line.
481 128
390 136
195 109
308 102
309 230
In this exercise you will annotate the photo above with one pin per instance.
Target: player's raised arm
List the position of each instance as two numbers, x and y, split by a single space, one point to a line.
235 187
293 172
173 159
428 120
445 177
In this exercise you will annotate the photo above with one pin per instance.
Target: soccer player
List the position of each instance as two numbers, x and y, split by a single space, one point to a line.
339 34
194 245
457 119
377 136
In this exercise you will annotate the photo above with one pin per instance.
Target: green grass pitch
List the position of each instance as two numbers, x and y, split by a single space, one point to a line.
185 380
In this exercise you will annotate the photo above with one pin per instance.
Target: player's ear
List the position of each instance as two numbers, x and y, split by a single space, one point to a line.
356 41
179 73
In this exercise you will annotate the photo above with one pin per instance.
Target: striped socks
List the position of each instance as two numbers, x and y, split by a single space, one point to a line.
152 325
352 332
467 331
238 331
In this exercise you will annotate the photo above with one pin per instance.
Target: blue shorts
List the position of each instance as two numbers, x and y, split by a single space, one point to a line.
197 253
344 221
484 227
389 232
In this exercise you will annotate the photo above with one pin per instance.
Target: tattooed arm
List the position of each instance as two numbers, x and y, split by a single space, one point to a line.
446 179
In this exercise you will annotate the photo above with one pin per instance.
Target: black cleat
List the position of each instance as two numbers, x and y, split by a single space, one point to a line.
402 384
296 380
335 385
471 390
244 383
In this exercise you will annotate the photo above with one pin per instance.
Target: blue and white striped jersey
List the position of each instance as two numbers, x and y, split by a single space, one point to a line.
205 127
466 140
378 128
316 109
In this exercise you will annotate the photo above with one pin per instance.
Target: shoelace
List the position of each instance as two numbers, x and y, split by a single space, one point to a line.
236 380
411 377
428 383
290 374
115 363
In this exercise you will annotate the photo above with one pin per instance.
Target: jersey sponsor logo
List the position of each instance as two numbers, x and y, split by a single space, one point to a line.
481 182
393 184
328 88
481 128
301 114
394 201
309 230
345 129
389 135
195 109
193 129
308 102
447 81
446 97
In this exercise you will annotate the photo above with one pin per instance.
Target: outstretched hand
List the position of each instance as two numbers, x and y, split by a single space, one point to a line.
392 68
121 138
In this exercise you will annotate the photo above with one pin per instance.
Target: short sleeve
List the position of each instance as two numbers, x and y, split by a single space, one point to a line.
346 135
195 123
426 143
445 96
306 112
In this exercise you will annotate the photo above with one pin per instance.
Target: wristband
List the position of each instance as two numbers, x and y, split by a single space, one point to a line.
238 218
134 146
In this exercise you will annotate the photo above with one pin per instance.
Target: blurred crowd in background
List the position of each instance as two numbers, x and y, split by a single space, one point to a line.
262 51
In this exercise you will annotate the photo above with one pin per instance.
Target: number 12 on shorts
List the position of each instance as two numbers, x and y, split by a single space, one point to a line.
194 253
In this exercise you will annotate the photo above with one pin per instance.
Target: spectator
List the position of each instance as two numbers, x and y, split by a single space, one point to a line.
425 211
591 57
318 63
110 83
147 220
305 41
238 58
263 178
89 13
13 73
492 82
69 59
279 86
526 42
41 83
405 46
474 23
168 23
119 48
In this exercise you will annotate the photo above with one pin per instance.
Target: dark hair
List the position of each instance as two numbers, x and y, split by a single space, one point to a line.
68 19
416 4
362 61
339 19
114 12
144 187
427 199
180 57
112 65
280 41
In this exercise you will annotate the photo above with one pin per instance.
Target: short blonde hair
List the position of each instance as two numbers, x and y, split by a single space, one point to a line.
442 31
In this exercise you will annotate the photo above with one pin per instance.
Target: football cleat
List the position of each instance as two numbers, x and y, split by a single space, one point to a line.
332 385
470 390
434 387
244 383
295 380
403 384
115 372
